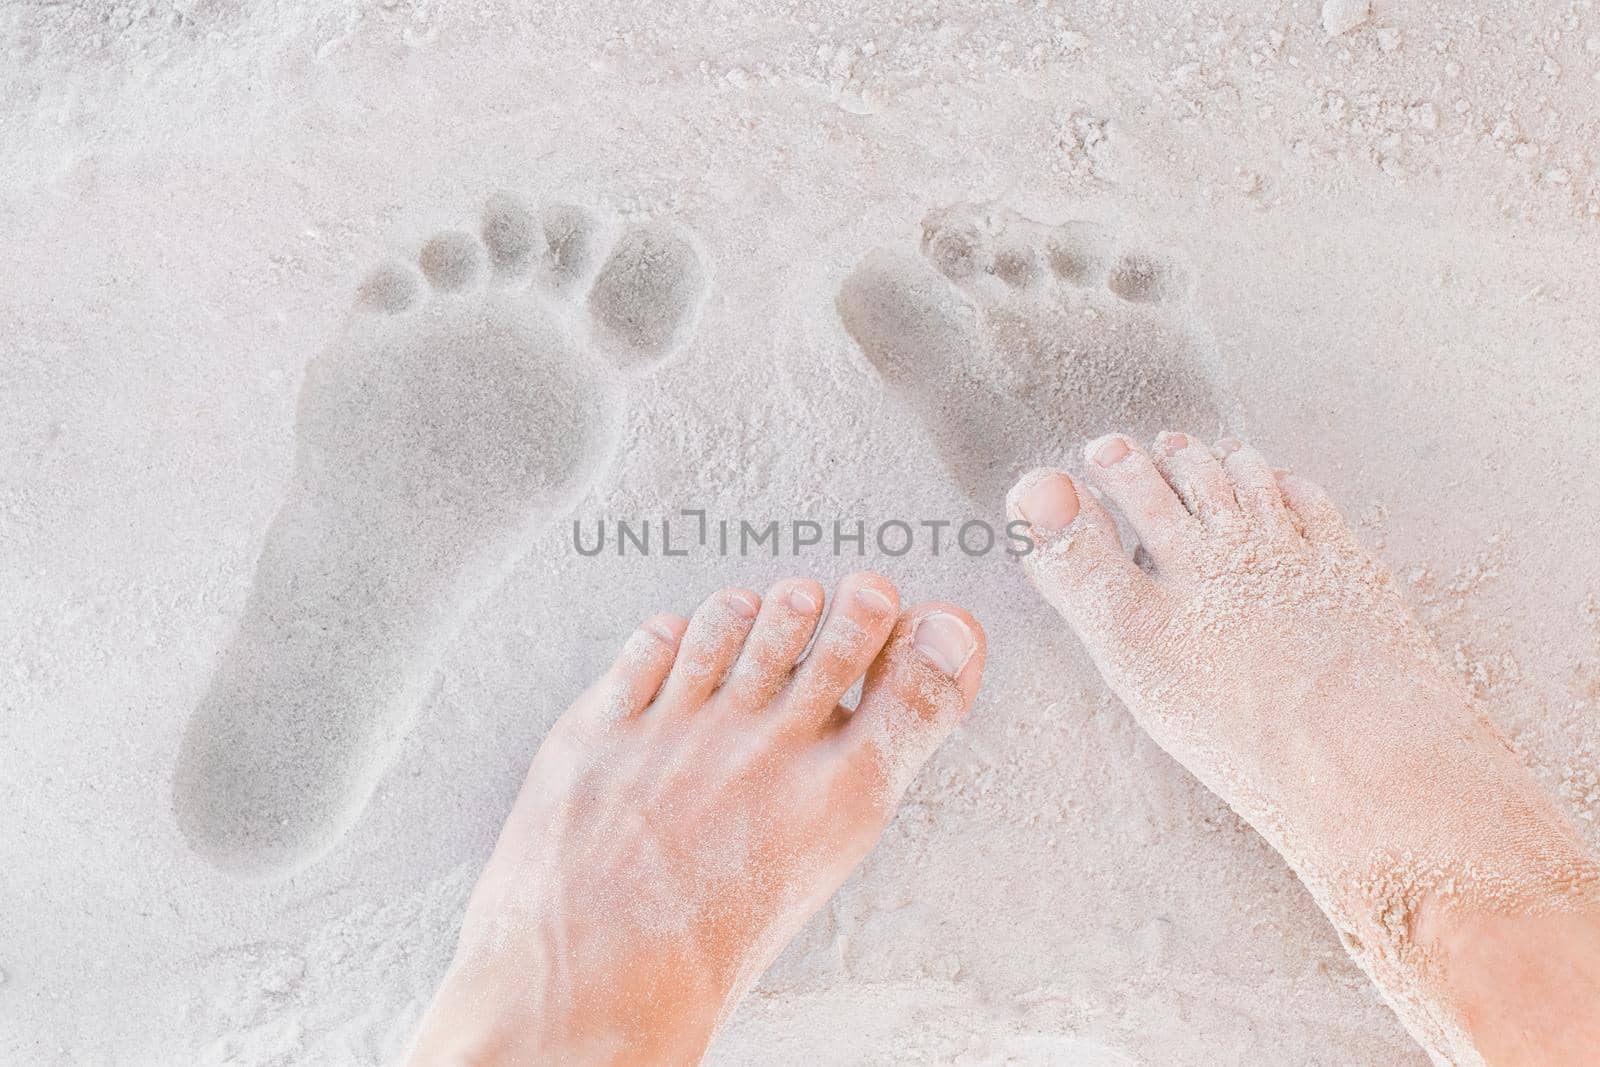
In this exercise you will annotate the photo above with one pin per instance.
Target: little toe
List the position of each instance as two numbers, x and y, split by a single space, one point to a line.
636 675
1078 564
1314 512
958 243
451 260
1197 478
709 647
512 235
391 289
1128 477
1254 486
859 620
788 619
921 685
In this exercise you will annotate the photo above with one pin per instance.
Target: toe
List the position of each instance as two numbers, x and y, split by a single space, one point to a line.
922 336
1142 278
1018 259
911 324
709 647
917 690
783 629
958 243
1197 477
639 669
512 235
1080 252
859 620
1314 512
1254 486
1127 475
645 298
391 289
451 260
574 237
1078 564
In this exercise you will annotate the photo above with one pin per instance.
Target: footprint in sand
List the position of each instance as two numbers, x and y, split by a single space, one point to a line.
466 402
1013 341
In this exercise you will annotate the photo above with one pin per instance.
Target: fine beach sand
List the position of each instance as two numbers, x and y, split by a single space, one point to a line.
1368 252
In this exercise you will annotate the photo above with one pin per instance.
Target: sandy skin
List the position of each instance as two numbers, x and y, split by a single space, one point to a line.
1271 656
688 814
706 796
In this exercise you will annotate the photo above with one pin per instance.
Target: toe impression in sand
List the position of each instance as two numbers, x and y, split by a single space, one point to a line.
470 397
1011 339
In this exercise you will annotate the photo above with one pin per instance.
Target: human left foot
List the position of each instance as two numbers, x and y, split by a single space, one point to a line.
688 814
1008 338
1277 661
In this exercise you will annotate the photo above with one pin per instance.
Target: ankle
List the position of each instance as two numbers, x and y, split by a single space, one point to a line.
1525 985
474 1027
462 1029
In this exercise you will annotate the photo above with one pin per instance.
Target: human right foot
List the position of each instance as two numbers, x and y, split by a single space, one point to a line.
1277 661
468 399
688 814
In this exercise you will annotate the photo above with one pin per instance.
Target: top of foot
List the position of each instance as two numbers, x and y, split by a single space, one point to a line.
1277 661
689 813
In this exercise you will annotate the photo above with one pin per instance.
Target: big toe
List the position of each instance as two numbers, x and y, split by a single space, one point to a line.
1079 566
647 294
909 321
921 685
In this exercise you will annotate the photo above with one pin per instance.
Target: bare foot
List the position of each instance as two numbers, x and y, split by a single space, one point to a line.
1277 661
687 815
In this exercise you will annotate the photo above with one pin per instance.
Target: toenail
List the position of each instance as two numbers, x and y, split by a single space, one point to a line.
661 630
1050 504
744 605
1113 451
1174 443
803 602
1227 447
945 640
874 600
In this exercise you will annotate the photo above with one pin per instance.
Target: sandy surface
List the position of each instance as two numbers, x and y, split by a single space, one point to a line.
1391 235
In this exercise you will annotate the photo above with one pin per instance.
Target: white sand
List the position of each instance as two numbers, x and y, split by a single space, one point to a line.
1391 236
